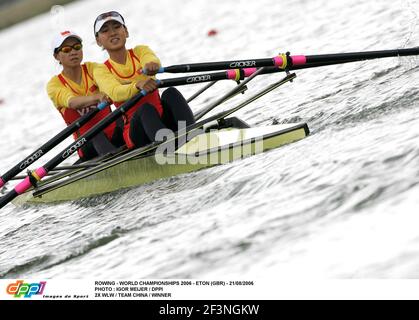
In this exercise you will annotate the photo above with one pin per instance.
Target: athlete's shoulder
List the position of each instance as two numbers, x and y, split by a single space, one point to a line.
91 67
53 82
101 73
99 68
141 48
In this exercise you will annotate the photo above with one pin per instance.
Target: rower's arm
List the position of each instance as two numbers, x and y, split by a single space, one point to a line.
62 97
59 95
146 56
81 102
109 85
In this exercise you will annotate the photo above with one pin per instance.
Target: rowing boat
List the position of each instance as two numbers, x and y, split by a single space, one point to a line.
215 140
199 149
213 147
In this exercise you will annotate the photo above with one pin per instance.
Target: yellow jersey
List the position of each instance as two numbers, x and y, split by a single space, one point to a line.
61 89
118 80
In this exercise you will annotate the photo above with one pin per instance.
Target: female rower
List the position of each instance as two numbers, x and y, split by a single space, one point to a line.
120 77
74 92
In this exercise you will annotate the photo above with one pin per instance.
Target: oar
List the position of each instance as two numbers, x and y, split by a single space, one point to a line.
34 156
284 61
41 172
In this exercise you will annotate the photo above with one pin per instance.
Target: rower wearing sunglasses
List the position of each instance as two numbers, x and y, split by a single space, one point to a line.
121 77
74 92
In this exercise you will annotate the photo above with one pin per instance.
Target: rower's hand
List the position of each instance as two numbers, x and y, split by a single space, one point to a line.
101 97
148 85
151 68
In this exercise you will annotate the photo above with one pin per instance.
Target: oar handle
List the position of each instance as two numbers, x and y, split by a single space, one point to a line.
103 105
145 71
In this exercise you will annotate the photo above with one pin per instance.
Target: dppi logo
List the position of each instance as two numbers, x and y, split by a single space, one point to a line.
27 290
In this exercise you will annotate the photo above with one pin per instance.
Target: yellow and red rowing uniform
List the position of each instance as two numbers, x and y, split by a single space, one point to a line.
118 82
61 89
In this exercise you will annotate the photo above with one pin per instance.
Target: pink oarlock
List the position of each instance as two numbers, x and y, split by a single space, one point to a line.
26 184
23 186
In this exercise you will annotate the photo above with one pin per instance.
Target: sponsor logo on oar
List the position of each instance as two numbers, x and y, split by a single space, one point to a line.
196 79
74 148
31 160
243 64
27 290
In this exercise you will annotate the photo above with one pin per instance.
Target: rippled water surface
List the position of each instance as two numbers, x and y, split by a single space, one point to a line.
342 203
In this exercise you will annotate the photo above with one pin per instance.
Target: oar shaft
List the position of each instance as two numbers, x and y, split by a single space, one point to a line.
359 56
236 74
220 65
281 61
8 197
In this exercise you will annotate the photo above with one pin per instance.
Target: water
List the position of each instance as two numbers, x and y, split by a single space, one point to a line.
341 203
